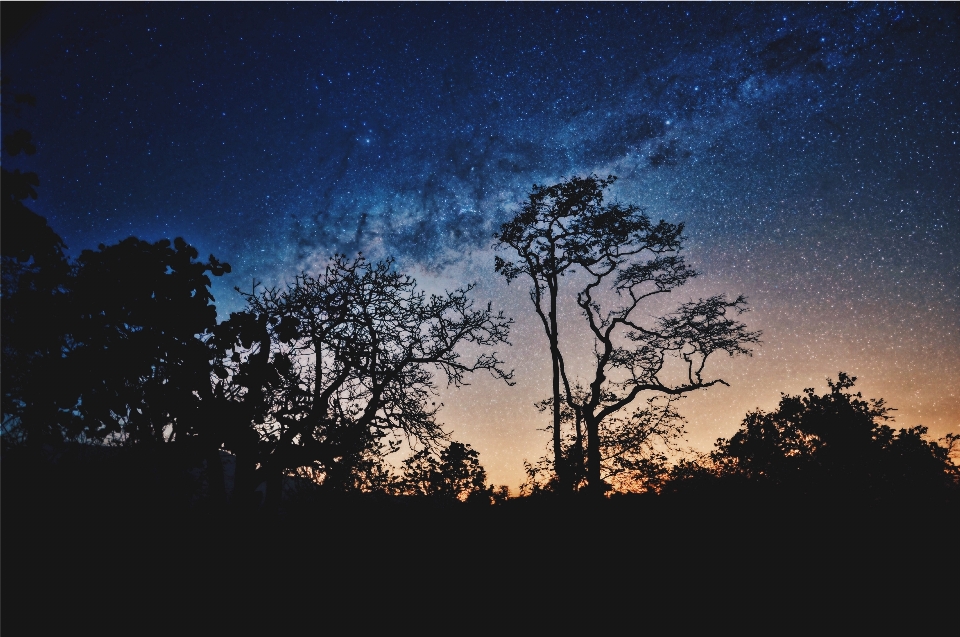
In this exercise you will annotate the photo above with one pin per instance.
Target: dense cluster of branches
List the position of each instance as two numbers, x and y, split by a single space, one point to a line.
456 474
330 373
636 449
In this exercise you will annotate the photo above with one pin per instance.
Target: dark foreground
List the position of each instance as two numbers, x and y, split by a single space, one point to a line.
73 564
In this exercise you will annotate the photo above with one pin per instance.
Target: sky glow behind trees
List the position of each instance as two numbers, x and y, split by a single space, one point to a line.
812 153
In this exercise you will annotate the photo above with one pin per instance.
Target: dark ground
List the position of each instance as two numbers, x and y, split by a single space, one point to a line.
78 559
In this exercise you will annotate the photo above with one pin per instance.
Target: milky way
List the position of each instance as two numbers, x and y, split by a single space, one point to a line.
811 151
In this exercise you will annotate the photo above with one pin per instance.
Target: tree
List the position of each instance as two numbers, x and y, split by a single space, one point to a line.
347 362
34 273
634 448
34 276
549 240
140 314
836 442
625 260
455 475
110 346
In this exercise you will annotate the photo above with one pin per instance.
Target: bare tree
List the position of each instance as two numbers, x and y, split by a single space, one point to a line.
549 239
625 260
351 364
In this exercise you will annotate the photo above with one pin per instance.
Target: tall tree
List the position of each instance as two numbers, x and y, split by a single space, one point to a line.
35 274
548 237
141 313
349 367
624 260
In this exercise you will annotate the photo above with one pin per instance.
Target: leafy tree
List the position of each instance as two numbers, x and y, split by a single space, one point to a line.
244 380
455 475
141 312
346 366
110 346
625 260
34 274
835 442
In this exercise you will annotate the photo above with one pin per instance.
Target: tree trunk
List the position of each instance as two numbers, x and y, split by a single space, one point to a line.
576 454
559 462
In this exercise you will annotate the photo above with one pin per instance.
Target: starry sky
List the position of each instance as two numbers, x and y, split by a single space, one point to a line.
812 152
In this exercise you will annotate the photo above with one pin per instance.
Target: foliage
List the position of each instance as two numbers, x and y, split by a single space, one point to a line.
635 449
541 478
836 442
108 346
456 474
140 312
33 275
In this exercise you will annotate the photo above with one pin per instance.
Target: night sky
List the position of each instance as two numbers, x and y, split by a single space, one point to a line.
812 152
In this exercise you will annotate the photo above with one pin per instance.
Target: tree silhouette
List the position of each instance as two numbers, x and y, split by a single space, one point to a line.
455 475
343 369
625 260
34 277
107 347
245 381
837 443
548 238
140 315
633 448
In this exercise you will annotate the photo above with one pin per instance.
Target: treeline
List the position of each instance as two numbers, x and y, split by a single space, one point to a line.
835 445
319 380
315 384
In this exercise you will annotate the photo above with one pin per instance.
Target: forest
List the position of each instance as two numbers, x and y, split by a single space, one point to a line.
136 419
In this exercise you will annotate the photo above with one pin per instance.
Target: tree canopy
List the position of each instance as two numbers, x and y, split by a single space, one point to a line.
140 312
34 272
831 444
454 474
